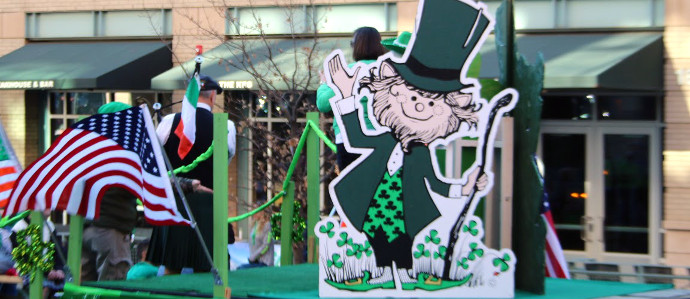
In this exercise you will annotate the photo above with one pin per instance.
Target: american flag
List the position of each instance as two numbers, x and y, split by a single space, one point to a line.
105 150
9 168
556 266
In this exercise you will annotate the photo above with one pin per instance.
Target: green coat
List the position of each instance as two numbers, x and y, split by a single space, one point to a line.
356 189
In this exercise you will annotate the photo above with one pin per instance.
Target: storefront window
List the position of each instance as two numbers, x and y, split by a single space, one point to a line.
66 108
567 107
626 107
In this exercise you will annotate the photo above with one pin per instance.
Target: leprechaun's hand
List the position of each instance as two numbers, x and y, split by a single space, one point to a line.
340 77
473 181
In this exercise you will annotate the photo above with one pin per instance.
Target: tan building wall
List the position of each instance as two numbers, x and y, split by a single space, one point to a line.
676 166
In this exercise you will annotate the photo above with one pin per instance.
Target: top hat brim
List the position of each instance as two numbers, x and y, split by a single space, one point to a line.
427 80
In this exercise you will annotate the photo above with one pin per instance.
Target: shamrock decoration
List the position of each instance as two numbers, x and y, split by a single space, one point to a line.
432 237
421 252
502 263
463 263
471 227
441 252
327 229
358 249
299 225
29 253
344 240
474 253
335 261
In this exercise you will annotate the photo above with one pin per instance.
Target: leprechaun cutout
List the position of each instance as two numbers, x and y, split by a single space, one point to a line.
406 230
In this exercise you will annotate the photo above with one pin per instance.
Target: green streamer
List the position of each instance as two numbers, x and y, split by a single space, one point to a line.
263 206
5 221
322 135
199 159
298 151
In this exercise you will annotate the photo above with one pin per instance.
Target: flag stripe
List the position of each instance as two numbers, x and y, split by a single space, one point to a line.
7 170
556 266
186 129
117 149
31 175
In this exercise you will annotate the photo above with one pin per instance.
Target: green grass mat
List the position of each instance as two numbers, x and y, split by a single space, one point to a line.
301 282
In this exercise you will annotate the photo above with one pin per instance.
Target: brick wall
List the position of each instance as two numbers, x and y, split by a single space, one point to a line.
676 153
12 112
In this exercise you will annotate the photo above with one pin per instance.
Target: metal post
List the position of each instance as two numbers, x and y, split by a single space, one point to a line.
313 187
76 231
286 224
220 203
36 285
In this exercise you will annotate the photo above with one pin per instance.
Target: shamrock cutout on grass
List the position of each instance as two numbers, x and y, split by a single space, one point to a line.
421 252
344 240
463 263
327 229
335 262
432 237
441 253
471 227
475 252
502 263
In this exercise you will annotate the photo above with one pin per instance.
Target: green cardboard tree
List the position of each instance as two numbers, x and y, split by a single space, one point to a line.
528 228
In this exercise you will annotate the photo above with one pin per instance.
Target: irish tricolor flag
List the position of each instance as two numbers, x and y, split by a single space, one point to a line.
9 168
186 130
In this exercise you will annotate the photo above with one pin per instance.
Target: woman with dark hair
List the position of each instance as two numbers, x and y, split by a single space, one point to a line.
366 47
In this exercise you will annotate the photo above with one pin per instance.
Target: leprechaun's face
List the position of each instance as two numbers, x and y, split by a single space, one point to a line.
416 115
420 109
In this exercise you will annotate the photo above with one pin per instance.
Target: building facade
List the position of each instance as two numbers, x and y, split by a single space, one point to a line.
617 76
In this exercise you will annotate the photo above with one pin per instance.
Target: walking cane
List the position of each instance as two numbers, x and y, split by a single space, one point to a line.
455 232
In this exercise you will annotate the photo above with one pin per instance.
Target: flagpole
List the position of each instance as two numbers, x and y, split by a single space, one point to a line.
216 277
58 249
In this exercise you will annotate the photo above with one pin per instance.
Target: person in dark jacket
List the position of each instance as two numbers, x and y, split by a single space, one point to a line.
178 248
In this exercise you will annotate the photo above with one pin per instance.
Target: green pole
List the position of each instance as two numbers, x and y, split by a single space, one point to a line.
220 202
287 210
76 231
313 187
36 285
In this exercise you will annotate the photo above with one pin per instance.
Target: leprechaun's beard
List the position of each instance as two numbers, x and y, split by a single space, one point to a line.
389 113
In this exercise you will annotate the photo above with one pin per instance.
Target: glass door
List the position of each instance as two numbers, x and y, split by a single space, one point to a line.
603 188
630 177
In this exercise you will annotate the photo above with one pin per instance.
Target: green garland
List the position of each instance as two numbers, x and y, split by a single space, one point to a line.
298 227
29 254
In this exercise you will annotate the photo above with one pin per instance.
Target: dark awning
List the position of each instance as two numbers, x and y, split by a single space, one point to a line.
289 55
84 65
625 61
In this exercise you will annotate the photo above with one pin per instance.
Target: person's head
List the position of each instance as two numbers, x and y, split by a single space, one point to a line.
209 90
142 249
366 44
414 114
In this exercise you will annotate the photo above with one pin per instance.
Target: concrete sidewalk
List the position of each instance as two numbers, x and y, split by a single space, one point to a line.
665 294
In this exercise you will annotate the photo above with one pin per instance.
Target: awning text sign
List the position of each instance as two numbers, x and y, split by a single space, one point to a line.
30 84
228 84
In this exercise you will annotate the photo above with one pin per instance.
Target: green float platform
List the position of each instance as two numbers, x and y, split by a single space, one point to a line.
301 282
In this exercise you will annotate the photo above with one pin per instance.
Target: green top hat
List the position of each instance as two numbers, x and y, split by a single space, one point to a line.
448 32
397 44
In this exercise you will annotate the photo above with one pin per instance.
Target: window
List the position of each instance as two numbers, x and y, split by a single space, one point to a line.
99 24
66 108
303 19
604 107
549 14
